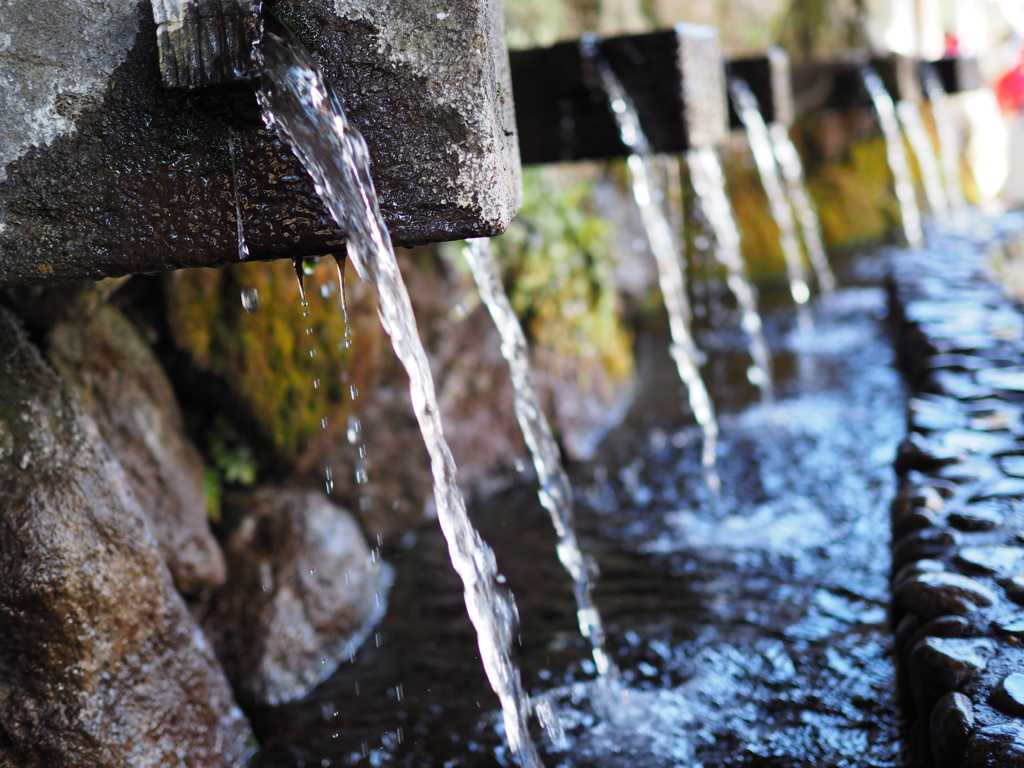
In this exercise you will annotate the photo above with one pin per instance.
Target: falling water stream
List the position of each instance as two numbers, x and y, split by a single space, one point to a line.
298 102
555 491
650 199
764 157
909 213
909 114
810 227
708 182
949 141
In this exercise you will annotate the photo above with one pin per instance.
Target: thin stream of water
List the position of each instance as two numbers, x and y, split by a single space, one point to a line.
555 492
298 102
764 157
649 196
909 114
890 126
708 182
243 249
949 141
807 217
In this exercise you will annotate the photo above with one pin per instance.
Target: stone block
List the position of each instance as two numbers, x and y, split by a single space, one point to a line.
104 171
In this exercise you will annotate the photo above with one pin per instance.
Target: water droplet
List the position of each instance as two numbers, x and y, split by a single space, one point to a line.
250 299
352 433
316 383
362 451
353 391
376 638
312 353
361 475
309 331
323 423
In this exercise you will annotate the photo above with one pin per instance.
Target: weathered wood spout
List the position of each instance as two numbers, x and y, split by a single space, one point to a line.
206 42
104 171
674 77
771 82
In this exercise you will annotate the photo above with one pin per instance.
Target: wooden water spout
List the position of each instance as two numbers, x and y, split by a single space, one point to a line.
206 42
105 170
674 78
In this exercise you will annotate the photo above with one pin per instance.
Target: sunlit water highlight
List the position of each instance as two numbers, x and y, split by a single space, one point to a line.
649 195
909 114
303 108
949 140
708 182
890 127
807 217
768 169
752 636
555 492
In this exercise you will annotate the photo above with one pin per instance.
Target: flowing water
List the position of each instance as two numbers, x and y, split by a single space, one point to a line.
909 114
555 492
886 112
649 196
764 157
307 114
949 140
810 227
753 635
709 185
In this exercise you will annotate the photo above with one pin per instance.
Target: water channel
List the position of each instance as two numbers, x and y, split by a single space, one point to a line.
752 635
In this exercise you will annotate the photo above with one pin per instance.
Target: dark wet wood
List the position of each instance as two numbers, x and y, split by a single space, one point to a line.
206 42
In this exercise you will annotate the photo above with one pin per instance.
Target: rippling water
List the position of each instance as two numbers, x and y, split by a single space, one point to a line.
750 629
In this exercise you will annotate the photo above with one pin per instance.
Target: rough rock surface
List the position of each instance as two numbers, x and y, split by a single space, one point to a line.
123 388
103 172
100 662
302 591
960 625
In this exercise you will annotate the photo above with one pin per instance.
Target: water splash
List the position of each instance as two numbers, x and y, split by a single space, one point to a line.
909 114
298 102
709 185
890 126
250 299
649 196
555 489
807 217
243 249
778 204
949 140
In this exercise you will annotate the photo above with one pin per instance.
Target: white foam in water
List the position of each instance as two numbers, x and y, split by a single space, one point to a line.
303 108
555 490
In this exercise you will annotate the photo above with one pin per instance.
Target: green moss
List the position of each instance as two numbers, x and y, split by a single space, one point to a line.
265 355
560 275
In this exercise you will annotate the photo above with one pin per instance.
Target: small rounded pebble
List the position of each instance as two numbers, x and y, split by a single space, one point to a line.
943 626
995 746
1012 625
951 724
998 561
976 517
1008 697
1014 586
939 665
925 543
917 520
917 567
1008 487
938 594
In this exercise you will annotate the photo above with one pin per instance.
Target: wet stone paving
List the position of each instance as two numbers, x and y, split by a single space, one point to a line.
752 629
958 558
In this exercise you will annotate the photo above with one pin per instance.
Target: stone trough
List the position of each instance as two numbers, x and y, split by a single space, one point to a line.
958 559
